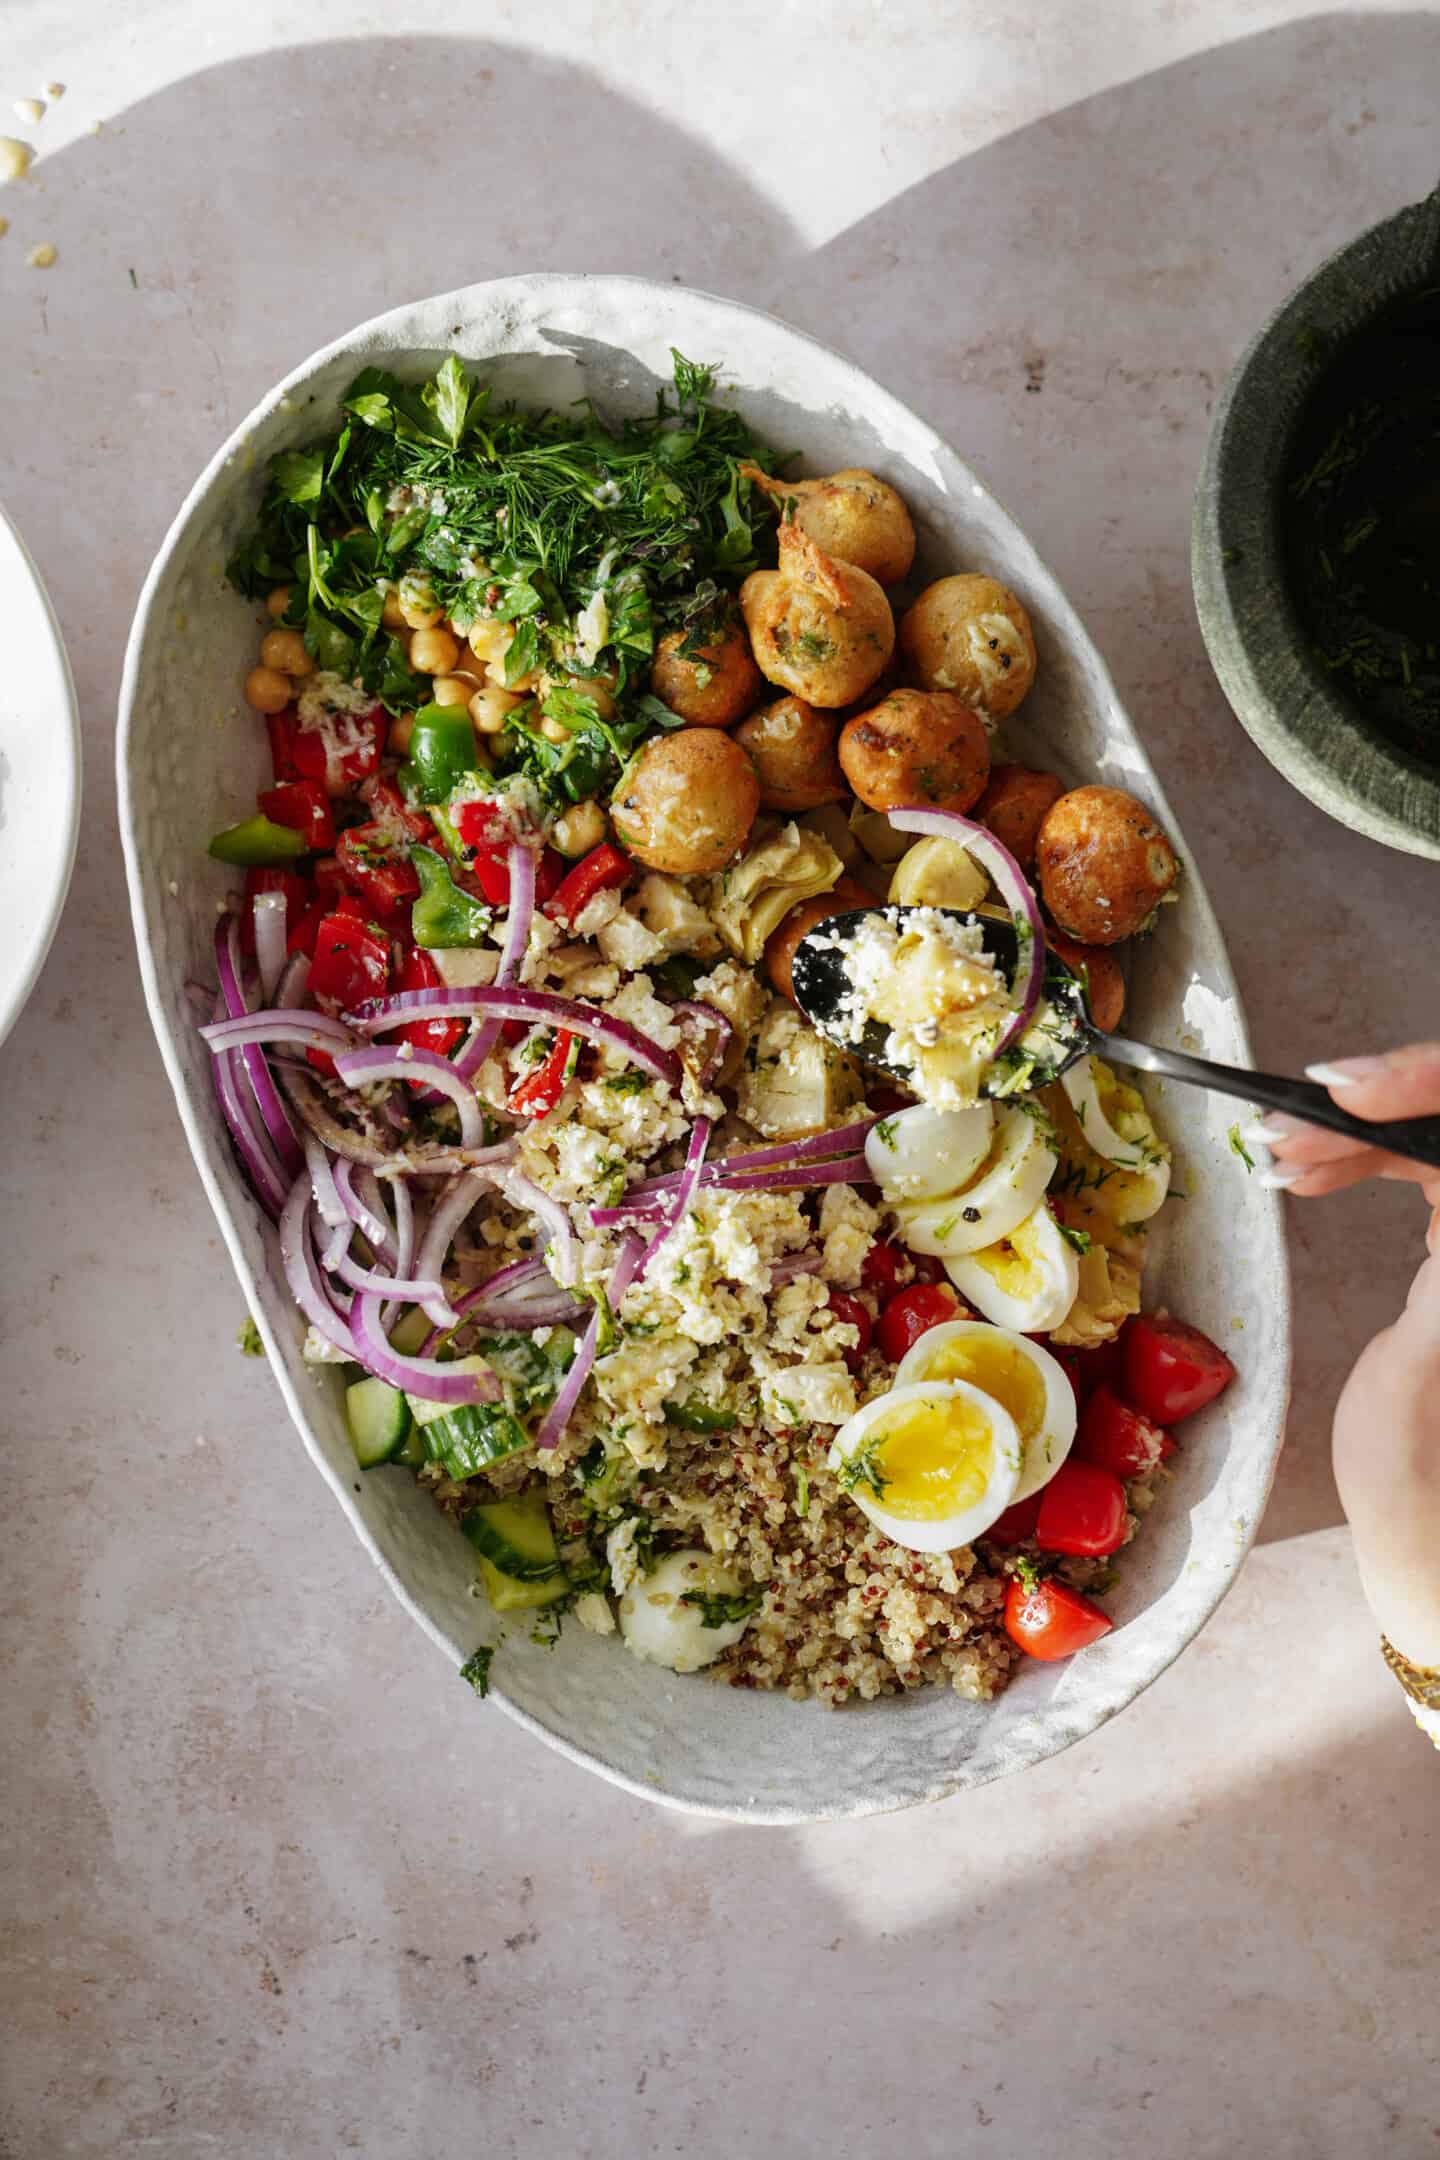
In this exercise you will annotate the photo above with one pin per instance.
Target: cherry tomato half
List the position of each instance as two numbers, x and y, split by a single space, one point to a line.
1169 1370
1082 1510
849 1308
1118 1438
912 1314
1050 1621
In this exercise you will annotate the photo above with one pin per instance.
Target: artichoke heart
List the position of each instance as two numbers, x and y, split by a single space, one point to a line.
751 900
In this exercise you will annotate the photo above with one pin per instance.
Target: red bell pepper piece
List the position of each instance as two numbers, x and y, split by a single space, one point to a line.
542 1088
419 972
377 869
301 938
304 806
604 869
351 963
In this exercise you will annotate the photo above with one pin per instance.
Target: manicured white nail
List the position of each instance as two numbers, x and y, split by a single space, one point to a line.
1348 1073
1279 1180
1261 1132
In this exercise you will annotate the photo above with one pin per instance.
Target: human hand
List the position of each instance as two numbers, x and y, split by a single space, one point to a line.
1308 1162
1387 1466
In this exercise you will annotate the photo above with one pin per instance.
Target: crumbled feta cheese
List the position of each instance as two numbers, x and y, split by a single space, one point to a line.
628 944
847 1225
809 1394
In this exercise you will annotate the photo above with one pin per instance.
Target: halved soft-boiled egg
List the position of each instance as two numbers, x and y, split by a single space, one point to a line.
1115 1125
932 1465
1028 1280
920 1153
1021 1376
995 1201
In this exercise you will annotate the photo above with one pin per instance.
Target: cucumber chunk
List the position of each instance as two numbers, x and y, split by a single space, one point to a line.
508 1595
425 1411
378 1419
515 1536
468 1439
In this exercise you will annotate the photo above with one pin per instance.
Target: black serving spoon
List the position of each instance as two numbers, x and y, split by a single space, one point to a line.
819 980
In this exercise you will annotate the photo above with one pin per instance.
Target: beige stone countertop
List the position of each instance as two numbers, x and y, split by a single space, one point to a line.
274 1883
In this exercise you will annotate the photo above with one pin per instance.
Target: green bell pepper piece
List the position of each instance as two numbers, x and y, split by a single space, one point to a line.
442 752
258 841
444 915
699 1417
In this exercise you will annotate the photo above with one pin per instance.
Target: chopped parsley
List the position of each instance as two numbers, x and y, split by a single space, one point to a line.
720 1610
249 1339
1238 1147
802 1492
476 1669
1079 1241
628 1083
885 1132
863 1468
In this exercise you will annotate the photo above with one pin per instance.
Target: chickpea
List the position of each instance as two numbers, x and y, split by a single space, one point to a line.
267 689
1099 971
1104 864
419 609
284 651
792 747
491 707
780 948
554 731
577 831
972 635
489 640
919 747
277 602
452 690
433 652
850 514
390 612
712 687
689 802
818 627
1014 806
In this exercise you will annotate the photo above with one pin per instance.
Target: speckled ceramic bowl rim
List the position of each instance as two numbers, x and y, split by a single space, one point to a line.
1039 1737
1278 691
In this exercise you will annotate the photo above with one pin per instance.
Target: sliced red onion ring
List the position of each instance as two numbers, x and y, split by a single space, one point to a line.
322 1178
557 1417
422 1376
294 976
502 1003
273 1114
413 1290
711 1016
1014 889
787 1153
336 1246
685 1192
362 1212
308 1030
403 1061
526 1193
784 1177
448 1213
789 1265
267 1180
483 1037
269 912
302 1272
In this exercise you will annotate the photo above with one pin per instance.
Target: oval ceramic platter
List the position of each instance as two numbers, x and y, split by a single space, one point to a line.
39 776
188 755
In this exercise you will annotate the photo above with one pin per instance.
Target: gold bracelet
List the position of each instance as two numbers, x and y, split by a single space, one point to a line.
1420 1682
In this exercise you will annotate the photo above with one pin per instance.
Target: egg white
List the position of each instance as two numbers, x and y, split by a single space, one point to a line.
1048 1271
1041 1452
921 1154
944 1533
1009 1183
1145 1164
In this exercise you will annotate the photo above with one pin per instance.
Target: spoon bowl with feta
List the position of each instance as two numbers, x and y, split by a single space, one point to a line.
933 996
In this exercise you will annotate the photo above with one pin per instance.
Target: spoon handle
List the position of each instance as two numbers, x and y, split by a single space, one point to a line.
1418 1139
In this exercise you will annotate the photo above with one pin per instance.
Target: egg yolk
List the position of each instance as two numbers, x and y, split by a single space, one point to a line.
1010 1265
935 1458
999 1370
